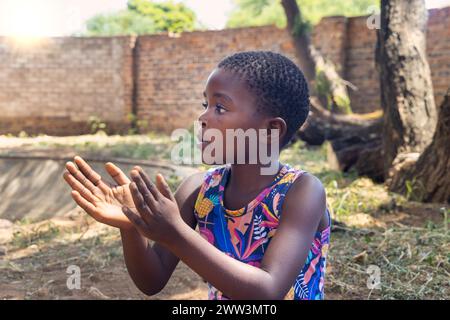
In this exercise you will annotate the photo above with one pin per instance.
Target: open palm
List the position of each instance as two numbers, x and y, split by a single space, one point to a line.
101 201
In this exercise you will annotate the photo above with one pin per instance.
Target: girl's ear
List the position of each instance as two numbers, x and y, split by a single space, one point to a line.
276 124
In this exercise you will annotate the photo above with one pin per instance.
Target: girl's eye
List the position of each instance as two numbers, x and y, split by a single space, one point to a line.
220 109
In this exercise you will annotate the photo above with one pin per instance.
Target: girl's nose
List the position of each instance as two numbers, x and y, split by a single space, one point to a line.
203 118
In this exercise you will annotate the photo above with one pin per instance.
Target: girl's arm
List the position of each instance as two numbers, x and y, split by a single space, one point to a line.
150 267
302 211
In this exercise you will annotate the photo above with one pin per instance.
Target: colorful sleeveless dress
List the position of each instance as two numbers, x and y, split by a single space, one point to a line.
245 234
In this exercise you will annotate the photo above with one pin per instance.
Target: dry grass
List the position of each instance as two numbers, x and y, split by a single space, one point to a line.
413 262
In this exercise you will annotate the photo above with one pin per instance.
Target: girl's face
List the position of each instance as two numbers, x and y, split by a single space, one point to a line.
229 105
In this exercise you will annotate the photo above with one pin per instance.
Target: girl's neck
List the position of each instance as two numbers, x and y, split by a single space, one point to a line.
248 179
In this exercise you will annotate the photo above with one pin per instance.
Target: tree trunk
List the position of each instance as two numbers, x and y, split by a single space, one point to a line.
406 89
313 63
324 125
359 149
355 140
428 178
301 39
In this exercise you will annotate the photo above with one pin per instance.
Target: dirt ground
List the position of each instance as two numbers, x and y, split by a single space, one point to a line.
37 256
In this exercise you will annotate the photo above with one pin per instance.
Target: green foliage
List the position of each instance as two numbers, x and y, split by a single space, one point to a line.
37 235
249 13
414 190
136 126
301 26
323 88
167 16
142 125
132 119
96 125
143 17
124 22
343 103
445 212
23 134
265 12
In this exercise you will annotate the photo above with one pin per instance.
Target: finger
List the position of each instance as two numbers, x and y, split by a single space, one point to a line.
163 187
148 182
136 221
77 186
143 209
85 205
89 173
143 189
77 174
117 174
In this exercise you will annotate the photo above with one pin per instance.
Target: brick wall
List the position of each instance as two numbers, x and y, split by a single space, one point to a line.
360 68
172 72
330 38
438 48
54 86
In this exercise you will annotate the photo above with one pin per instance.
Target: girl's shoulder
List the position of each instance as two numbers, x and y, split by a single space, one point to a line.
189 188
307 197
303 182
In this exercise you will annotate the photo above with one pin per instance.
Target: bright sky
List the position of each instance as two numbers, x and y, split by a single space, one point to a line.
65 17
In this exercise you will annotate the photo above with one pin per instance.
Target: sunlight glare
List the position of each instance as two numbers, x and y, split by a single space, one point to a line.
27 19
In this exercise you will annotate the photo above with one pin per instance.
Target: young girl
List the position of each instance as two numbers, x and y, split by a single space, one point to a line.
261 236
